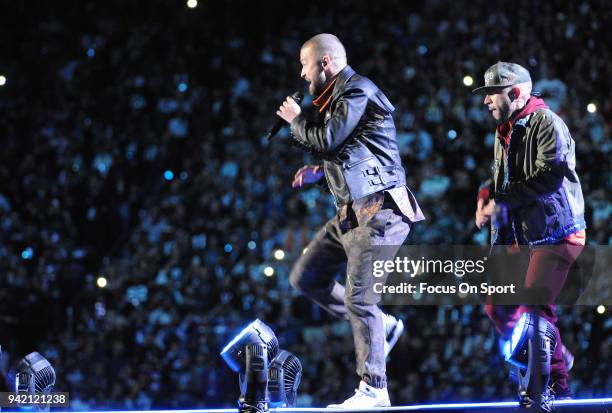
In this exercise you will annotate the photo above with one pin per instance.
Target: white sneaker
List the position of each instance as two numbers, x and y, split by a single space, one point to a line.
365 397
394 328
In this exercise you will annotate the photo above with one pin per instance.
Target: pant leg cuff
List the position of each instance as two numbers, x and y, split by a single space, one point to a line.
376 382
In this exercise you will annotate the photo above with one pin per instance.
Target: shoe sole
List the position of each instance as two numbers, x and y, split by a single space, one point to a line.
340 407
396 333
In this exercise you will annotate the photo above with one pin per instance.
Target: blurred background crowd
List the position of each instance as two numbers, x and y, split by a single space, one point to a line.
145 220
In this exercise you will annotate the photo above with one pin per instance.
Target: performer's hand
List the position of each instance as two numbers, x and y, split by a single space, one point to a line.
289 109
307 174
484 211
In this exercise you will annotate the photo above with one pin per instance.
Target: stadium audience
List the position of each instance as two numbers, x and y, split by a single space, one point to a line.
133 150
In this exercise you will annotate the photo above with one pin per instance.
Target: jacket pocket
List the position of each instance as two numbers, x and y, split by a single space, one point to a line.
556 214
544 219
378 225
534 220
355 163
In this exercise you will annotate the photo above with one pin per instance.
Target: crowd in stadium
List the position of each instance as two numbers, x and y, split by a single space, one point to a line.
140 202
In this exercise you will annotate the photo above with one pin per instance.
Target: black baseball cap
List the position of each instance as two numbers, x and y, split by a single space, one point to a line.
501 75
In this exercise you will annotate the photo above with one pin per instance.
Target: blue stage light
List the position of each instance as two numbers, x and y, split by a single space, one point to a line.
518 335
168 175
523 331
228 248
506 349
34 374
284 376
531 347
255 333
249 354
27 253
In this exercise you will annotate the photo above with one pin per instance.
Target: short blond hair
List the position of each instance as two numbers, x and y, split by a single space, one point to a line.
326 44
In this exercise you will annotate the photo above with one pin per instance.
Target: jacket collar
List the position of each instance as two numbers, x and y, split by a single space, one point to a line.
520 118
333 89
341 79
533 105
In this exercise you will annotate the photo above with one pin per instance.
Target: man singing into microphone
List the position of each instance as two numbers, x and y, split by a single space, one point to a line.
352 131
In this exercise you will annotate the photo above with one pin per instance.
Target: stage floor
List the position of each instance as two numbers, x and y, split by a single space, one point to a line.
562 406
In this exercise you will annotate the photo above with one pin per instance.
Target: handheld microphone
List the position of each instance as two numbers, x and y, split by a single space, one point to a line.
297 96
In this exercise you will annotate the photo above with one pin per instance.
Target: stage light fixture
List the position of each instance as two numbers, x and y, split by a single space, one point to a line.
34 374
524 331
257 332
530 368
248 354
254 381
284 376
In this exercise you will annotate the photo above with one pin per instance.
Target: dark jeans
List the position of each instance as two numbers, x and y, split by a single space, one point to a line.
337 248
546 271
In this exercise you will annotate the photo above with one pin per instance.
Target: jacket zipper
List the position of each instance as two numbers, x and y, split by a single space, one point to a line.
349 166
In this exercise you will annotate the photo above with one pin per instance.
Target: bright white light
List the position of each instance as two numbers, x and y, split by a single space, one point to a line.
601 309
468 81
279 254
592 108
237 338
268 271
2 80
101 281
192 4
305 250
517 333
507 350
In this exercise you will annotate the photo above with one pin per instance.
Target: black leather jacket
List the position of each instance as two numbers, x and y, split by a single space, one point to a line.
355 136
536 183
